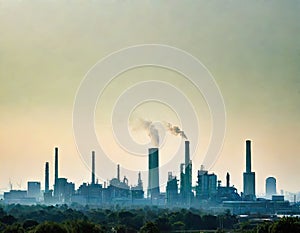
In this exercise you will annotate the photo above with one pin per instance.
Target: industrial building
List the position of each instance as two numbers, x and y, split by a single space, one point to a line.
270 187
228 192
206 185
34 190
172 190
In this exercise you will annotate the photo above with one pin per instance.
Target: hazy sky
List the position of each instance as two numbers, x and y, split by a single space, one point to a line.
252 48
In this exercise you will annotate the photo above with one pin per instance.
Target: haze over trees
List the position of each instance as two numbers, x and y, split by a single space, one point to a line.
63 219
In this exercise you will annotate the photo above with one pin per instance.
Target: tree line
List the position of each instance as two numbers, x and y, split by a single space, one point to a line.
63 219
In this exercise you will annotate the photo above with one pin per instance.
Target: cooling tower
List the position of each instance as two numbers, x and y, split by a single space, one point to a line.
153 177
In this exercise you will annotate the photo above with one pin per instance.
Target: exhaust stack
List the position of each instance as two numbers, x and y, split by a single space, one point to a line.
47 177
153 177
93 167
56 165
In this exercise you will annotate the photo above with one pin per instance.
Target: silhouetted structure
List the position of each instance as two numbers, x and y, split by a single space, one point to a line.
172 190
188 174
270 187
34 190
18 197
206 185
117 192
93 167
46 177
249 176
227 180
153 184
56 170
137 191
227 193
118 172
186 193
89 194
64 190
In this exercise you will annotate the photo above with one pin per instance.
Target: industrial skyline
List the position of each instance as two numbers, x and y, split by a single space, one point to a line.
251 49
208 193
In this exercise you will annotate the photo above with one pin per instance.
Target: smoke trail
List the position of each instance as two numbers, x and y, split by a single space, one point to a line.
175 130
150 128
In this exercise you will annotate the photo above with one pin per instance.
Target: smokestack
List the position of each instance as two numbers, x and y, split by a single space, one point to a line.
93 167
227 180
248 156
56 166
118 172
187 153
188 174
249 176
47 177
153 178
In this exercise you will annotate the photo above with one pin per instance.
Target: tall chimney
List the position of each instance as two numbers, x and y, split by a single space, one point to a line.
47 177
187 153
118 172
227 180
248 156
153 177
188 174
93 167
249 176
56 166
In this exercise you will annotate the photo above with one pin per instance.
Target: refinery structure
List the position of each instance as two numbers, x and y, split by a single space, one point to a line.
207 193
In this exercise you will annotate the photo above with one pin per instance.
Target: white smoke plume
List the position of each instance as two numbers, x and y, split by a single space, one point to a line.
175 130
150 129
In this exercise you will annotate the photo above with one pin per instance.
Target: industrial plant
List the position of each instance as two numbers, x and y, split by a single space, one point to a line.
207 193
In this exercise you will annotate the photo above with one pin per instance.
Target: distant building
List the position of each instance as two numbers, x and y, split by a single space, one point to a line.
119 189
137 192
34 190
64 190
88 194
48 198
270 187
18 197
172 190
227 193
206 185
263 206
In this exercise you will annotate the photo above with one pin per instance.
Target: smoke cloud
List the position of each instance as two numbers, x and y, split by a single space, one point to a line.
175 130
151 130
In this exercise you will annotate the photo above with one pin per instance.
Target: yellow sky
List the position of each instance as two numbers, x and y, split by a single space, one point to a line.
251 48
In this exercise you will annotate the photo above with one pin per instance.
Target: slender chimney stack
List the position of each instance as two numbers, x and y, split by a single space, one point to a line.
118 172
248 156
187 153
56 172
249 176
93 167
47 177
56 166
227 180
188 174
